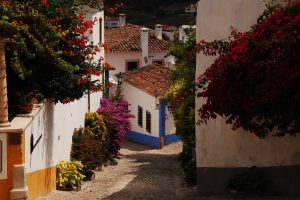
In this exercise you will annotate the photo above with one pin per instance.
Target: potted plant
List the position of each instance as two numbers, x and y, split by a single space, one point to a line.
25 102
39 98
69 175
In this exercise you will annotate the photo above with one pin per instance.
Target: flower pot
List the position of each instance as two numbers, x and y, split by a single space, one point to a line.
90 177
78 188
25 109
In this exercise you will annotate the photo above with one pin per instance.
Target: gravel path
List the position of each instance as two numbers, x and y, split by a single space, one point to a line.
141 174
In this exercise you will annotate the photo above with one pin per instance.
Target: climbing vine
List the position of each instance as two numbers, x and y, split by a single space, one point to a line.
181 101
254 81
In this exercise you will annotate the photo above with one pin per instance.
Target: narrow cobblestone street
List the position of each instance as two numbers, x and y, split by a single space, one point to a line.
142 173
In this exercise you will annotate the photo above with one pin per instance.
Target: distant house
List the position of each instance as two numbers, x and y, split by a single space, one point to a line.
184 32
169 31
113 22
132 47
145 89
191 9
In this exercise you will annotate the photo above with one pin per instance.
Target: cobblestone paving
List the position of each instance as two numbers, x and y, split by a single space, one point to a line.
141 174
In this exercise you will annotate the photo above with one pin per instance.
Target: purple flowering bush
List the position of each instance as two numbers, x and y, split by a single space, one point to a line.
116 117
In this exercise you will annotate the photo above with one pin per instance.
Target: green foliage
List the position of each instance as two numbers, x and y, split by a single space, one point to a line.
68 174
89 143
95 124
46 49
181 95
181 101
87 149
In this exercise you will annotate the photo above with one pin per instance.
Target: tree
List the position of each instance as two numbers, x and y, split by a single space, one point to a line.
181 100
47 49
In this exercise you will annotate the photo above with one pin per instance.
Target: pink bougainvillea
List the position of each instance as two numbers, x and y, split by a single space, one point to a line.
254 81
117 120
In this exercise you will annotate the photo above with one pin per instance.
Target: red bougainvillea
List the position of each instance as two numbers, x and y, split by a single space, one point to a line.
254 82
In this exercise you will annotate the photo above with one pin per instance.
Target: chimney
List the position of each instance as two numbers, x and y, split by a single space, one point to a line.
182 33
144 45
158 31
122 19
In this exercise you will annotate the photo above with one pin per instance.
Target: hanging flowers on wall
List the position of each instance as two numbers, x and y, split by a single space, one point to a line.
254 82
48 49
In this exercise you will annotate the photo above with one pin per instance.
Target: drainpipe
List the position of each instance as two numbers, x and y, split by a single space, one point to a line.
20 189
145 47
3 87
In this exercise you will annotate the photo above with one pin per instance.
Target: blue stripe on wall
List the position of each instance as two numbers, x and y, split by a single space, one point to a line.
169 139
106 82
143 139
162 117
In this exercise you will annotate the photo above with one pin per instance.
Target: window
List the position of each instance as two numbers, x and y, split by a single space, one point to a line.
148 121
140 116
132 65
158 62
114 24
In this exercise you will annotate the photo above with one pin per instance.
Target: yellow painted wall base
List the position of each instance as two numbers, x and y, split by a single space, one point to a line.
15 156
41 183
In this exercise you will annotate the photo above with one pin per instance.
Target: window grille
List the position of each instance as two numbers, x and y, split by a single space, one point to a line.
140 116
148 121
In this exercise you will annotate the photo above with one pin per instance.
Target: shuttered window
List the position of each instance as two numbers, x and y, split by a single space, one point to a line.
148 121
140 116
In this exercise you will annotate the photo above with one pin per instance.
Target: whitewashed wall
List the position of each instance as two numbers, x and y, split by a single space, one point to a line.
228 144
55 124
222 152
137 98
118 60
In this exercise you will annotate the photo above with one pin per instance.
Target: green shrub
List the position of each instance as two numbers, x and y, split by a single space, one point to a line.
89 143
68 174
87 149
96 125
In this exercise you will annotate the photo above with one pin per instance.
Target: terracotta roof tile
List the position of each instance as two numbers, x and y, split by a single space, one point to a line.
128 39
152 79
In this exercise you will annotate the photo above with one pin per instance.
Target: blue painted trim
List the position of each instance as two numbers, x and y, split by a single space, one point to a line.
162 117
107 81
143 139
169 139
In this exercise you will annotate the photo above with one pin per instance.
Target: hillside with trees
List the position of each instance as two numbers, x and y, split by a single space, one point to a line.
149 13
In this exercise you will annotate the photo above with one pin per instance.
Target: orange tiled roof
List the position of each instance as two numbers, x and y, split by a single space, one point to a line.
128 39
152 79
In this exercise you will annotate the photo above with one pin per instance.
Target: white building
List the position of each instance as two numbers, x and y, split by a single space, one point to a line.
34 143
222 152
145 90
191 9
185 31
113 22
132 47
